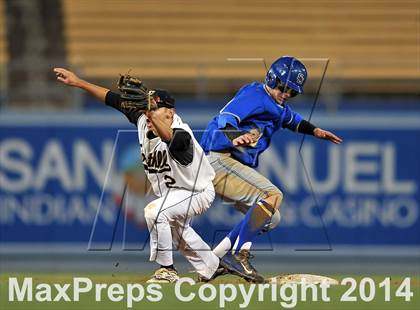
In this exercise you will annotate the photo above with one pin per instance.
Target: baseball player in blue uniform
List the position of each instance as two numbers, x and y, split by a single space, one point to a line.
233 141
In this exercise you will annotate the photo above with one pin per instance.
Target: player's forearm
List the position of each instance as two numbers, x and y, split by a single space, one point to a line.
162 129
97 91
306 128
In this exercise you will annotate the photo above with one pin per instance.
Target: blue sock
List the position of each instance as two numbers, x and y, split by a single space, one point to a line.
234 233
257 216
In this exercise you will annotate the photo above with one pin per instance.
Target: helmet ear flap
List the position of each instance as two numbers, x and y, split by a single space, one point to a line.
271 79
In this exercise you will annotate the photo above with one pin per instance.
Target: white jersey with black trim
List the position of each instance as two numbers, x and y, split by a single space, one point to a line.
165 172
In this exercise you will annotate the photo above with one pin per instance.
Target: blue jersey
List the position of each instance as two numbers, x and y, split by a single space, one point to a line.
252 109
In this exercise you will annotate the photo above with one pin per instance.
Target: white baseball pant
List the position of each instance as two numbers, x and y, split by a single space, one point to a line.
168 219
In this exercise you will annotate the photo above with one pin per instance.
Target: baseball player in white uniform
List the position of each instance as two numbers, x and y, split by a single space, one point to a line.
180 174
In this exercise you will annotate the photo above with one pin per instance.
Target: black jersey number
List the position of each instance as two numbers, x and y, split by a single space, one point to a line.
169 181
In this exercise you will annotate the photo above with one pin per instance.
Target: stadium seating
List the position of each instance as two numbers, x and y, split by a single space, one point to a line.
3 41
184 39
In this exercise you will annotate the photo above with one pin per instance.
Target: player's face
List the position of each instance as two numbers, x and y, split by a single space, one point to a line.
279 96
281 93
164 114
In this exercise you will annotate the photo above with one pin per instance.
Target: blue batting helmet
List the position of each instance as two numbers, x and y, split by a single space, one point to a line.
288 70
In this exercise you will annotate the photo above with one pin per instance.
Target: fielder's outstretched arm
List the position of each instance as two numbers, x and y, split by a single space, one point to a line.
69 78
101 93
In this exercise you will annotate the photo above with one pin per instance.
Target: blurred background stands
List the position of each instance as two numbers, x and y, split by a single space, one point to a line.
193 48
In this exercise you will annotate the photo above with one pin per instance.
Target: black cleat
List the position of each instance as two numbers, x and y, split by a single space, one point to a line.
239 265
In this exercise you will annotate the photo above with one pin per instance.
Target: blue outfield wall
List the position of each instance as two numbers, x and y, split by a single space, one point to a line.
60 182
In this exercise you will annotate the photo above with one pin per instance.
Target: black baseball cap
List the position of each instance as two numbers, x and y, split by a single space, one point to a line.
164 99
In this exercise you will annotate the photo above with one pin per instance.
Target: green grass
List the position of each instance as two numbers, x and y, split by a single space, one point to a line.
169 300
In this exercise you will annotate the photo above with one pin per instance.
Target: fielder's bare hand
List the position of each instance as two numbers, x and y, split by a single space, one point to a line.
67 77
244 140
326 135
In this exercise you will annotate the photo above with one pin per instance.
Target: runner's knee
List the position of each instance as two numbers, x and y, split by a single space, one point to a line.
274 199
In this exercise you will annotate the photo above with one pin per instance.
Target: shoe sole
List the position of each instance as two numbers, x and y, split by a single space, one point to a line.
160 281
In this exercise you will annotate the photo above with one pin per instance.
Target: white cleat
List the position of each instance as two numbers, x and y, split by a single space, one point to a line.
164 275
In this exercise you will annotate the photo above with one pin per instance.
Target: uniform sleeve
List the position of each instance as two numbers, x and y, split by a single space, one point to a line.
291 120
181 146
243 105
114 100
